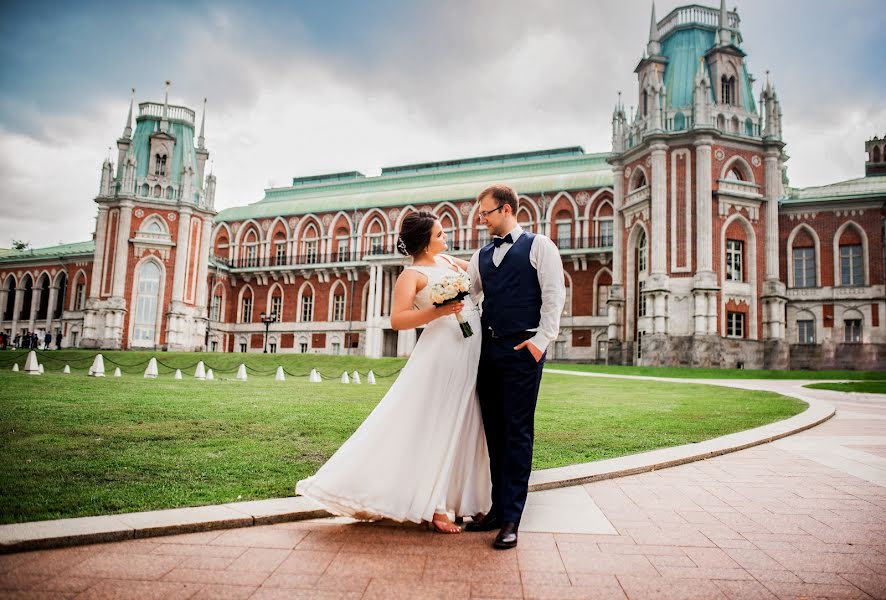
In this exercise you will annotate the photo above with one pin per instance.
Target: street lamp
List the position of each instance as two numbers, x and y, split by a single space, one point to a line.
267 320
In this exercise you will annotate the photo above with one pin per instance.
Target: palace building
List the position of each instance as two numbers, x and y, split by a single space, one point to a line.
682 245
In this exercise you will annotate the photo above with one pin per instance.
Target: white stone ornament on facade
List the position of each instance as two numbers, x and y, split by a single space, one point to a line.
393 214
293 221
628 172
582 198
648 161
266 224
719 154
327 219
755 160
171 216
465 208
139 213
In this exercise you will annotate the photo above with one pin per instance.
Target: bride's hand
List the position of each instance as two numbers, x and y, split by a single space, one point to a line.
448 309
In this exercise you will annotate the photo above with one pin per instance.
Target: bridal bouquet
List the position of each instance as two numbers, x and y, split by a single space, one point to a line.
452 288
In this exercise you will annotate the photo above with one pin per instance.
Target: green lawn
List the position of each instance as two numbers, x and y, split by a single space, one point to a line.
74 445
691 373
867 387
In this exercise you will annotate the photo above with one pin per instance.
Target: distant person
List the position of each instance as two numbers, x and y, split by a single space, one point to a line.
47 341
58 340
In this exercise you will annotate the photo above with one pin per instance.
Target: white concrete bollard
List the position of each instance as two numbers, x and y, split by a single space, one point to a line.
117 372
178 373
40 368
66 370
355 377
31 366
370 379
98 366
241 373
315 376
15 368
151 371
209 375
200 373
89 372
279 376
344 377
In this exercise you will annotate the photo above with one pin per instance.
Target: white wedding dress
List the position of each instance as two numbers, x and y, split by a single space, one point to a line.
422 449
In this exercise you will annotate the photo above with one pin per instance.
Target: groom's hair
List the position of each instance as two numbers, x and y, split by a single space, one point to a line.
502 194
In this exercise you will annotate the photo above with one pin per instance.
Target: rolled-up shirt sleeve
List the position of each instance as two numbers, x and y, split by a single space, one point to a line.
476 291
545 258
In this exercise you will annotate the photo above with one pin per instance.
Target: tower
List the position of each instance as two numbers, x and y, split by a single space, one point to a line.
698 176
148 286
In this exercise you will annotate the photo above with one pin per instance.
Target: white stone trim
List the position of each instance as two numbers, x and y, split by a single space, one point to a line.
838 275
790 254
161 299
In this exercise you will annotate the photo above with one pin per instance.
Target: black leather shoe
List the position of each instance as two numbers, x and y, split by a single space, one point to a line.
507 537
487 523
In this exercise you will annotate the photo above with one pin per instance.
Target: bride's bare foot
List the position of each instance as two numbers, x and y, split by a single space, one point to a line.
441 524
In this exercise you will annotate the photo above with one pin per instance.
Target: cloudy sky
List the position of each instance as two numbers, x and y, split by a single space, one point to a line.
302 87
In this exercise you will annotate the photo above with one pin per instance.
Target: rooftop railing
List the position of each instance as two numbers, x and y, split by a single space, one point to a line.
175 113
695 14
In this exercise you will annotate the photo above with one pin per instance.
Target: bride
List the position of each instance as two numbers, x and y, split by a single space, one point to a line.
421 454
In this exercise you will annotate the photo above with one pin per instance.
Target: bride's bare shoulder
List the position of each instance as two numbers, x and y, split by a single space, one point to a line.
455 261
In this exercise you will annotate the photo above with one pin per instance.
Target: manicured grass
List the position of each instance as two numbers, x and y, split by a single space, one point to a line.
866 387
690 373
74 446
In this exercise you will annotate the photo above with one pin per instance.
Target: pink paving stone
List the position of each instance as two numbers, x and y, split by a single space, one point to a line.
112 589
753 559
199 550
710 557
816 590
260 537
544 578
123 566
259 560
342 584
820 561
579 562
659 588
223 577
874 584
745 590
212 563
703 573
641 549
562 592
539 560
404 567
389 590
306 562
671 561
289 580
497 590
224 592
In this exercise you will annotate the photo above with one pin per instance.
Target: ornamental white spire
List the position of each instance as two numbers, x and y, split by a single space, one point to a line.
653 48
725 36
200 141
164 120
127 131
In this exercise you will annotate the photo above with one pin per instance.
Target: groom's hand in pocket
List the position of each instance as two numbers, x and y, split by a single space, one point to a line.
536 353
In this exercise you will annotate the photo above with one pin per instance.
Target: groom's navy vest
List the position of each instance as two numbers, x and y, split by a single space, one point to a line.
511 294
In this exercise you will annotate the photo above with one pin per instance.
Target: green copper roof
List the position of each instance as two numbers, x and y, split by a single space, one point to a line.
684 49
184 146
863 188
61 251
428 183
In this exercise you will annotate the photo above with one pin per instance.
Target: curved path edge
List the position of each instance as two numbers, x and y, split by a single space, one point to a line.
39 535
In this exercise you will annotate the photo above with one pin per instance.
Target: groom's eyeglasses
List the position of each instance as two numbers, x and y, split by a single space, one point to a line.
485 213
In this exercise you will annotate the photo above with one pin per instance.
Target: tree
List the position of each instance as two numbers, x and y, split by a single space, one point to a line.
20 245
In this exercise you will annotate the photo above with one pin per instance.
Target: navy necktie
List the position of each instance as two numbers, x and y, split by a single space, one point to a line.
498 241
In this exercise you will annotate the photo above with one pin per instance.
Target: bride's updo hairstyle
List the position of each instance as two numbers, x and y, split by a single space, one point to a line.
415 233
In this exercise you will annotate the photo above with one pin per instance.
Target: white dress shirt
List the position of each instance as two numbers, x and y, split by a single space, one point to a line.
545 259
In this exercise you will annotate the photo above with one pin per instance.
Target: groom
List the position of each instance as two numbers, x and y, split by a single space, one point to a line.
520 277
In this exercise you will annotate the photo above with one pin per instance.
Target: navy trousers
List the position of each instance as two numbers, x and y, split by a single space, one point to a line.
507 384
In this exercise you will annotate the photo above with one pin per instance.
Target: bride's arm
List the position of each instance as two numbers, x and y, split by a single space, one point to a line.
403 313
463 264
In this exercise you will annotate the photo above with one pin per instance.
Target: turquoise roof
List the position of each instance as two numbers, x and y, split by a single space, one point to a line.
428 183
863 188
60 251
684 49
184 146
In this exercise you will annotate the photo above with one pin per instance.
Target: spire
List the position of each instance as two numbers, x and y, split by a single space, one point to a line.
653 47
725 36
164 121
202 127
127 131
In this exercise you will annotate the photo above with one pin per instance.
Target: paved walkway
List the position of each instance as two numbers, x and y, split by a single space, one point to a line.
802 517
